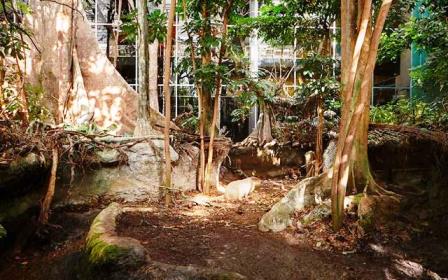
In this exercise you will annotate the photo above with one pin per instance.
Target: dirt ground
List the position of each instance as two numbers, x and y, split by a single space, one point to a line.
223 235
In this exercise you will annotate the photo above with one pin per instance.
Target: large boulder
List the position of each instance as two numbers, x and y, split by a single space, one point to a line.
310 191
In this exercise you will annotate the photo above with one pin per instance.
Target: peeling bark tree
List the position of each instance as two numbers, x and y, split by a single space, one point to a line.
359 51
166 92
60 30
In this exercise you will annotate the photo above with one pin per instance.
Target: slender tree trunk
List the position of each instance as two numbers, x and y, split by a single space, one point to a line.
143 126
204 97
2 80
319 133
154 71
222 51
166 92
201 167
355 95
153 75
46 203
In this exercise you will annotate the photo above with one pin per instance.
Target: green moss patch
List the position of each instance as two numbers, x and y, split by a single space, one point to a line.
104 247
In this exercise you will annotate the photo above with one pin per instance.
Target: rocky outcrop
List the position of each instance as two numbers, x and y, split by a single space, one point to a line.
269 161
135 182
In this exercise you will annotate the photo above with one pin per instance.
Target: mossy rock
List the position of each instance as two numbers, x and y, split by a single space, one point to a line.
104 247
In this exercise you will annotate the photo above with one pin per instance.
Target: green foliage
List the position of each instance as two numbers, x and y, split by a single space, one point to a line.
281 24
319 82
428 34
392 45
250 93
431 115
36 109
156 25
11 32
191 124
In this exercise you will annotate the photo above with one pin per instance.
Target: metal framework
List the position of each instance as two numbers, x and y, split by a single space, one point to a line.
183 92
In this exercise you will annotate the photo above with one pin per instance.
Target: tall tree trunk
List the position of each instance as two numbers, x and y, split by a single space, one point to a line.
206 96
218 89
143 126
154 71
166 92
24 113
355 95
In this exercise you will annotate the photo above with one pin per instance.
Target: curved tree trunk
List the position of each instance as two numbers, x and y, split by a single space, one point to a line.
356 98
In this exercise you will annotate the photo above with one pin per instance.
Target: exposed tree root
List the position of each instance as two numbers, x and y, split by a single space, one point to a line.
46 203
